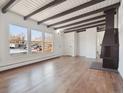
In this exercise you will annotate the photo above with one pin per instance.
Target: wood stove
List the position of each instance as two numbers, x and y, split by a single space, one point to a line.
110 44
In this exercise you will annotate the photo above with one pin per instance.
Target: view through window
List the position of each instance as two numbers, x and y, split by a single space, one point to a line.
17 39
36 41
48 42
40 41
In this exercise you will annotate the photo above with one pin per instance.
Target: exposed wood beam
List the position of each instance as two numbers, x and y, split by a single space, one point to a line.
102 24
87 14
82 21
5 8
51 4
79 30
86 24
82 6
100 28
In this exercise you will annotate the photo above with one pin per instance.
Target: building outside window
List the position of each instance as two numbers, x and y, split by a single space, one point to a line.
17 39
36 41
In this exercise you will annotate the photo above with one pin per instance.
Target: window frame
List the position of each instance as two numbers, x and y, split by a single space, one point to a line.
21 53
52 42
29 35
31 40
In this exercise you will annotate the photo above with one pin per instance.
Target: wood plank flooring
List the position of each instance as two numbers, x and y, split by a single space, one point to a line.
60 75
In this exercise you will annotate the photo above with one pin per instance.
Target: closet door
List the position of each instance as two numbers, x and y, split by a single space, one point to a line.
69 44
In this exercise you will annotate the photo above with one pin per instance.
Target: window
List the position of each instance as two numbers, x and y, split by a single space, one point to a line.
36 41
18 43
48 42
17 39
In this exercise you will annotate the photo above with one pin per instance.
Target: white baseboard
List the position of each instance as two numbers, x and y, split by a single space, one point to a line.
7 67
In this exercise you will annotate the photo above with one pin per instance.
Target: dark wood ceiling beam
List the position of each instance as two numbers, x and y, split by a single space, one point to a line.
100 28
102 24
82 21
87 14
6 7
83 29
91 23
82 6
51 4
79 30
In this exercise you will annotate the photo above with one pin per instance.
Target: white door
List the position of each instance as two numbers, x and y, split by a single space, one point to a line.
68 44
87 43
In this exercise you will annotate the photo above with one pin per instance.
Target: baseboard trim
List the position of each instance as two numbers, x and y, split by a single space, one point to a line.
25 63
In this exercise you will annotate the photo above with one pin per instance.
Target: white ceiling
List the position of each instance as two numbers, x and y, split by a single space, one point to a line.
88 9
58 9
25 7
3 2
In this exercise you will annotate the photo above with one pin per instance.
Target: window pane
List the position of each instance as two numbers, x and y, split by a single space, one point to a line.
48 43
36 41
17 39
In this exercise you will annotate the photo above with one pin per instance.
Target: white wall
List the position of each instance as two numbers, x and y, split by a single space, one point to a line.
87 43
120 26
6 60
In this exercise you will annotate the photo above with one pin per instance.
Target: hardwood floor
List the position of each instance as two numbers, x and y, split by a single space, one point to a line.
60 75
